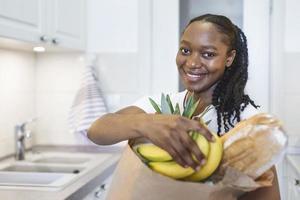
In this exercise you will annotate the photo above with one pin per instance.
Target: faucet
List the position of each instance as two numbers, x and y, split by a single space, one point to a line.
20 134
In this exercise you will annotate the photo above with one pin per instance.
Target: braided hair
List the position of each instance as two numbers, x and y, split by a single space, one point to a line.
229 98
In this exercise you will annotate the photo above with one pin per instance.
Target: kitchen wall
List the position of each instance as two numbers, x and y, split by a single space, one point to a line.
285 70
58 78
17 94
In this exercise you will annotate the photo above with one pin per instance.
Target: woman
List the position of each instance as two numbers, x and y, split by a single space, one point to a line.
212 61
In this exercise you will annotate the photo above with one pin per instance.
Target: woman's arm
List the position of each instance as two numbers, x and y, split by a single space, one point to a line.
170 132
265 193
112 128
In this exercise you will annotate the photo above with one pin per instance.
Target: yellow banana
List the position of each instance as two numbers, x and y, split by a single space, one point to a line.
152 152
171 169
203 144
212 162
158 156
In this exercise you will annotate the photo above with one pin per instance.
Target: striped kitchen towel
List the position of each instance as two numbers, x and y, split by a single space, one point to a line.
88 104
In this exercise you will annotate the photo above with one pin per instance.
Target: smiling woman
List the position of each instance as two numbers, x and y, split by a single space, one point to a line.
212 61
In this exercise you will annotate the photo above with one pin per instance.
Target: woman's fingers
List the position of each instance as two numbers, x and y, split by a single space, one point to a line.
195 125
176 156
184 153
193 148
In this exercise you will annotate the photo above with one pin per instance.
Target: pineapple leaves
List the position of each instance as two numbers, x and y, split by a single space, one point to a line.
165 108
177 110
170 103
155 106
190 107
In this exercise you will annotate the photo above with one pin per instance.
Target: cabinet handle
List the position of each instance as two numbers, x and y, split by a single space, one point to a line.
44 38
55 41
297 182
103 186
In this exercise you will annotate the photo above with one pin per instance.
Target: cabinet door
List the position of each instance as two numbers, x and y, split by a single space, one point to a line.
293 184
22 20
66 23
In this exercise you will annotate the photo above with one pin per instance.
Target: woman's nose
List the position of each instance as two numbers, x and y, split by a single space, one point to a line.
194 61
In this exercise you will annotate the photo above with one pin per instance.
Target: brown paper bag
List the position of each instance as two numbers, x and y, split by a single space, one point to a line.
133 180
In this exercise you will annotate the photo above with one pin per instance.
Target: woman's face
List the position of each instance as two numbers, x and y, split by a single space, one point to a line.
202 57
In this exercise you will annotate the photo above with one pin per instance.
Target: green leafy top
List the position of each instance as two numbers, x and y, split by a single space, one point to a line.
166 107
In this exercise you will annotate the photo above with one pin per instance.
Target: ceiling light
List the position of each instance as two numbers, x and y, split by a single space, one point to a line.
39 49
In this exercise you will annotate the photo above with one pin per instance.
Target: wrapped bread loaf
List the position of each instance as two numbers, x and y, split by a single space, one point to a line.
253 146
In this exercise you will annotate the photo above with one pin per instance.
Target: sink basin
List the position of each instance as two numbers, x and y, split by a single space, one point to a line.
35 179
43 168
64 160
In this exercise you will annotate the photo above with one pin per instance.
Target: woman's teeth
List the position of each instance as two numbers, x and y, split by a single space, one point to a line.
194 75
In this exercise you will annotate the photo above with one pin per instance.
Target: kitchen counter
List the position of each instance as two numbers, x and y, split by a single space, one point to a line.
78 188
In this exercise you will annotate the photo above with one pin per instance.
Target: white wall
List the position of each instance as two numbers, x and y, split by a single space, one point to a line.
285 91
290 69
57 80
17 94
112 26
165 39
257 29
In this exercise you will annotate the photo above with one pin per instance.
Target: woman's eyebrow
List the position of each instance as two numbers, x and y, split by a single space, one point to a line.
185 41
209 47
202 46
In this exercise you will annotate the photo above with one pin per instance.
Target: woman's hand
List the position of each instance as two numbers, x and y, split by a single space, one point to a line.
170 132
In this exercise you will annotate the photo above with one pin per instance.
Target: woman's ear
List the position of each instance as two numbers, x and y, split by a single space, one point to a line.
230 58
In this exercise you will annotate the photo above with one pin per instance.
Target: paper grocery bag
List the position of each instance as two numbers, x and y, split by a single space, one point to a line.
133 180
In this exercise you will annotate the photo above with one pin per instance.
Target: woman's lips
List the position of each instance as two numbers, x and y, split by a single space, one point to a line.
194 76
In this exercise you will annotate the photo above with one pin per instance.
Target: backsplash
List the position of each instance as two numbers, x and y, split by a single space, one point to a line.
17 88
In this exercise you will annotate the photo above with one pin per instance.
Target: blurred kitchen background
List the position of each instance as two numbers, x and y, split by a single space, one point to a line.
133 44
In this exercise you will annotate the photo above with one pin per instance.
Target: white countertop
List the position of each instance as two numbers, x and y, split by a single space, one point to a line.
100 170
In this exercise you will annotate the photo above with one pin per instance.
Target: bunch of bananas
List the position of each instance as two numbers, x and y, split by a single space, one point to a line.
161 161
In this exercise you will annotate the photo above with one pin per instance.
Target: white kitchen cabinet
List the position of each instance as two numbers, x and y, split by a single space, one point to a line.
292 178
23 20
100 192
49 22
66 23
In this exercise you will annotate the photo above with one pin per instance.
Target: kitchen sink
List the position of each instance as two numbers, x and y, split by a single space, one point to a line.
50 170
35 179
64 160
43 168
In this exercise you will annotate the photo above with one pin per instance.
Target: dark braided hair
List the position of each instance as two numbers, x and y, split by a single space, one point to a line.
229 98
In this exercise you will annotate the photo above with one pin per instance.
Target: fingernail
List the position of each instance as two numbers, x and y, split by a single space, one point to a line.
203 162
198 168
185 166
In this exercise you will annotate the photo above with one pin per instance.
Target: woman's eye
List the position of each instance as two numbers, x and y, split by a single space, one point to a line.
208 54
185 51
